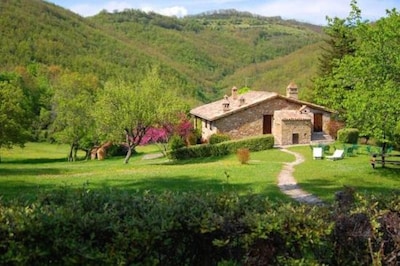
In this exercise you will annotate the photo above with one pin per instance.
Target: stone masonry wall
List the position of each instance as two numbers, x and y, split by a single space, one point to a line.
249 122
301 127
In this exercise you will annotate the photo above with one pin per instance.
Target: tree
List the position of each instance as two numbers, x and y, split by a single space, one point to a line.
162 135
15 116
128 110
74 96
364 85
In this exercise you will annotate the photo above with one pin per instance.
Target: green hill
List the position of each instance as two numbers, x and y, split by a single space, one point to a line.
205 54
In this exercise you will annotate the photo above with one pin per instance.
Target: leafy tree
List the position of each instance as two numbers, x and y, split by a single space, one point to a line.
364 85
72 102
15 116
129 110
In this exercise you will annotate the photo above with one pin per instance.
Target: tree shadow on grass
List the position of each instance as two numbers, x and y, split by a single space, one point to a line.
389 171
178 183
210 159
31 172
34 161
23 190
326 189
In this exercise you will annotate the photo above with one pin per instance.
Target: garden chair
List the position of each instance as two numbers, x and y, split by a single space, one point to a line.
317 153
337 155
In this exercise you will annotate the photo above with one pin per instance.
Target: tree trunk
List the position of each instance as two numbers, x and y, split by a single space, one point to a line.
70 156
128 154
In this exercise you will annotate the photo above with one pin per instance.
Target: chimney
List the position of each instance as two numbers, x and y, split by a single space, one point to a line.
234 93
292 91
225 104
242 101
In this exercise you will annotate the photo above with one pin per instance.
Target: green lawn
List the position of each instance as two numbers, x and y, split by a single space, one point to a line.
324 177
39 167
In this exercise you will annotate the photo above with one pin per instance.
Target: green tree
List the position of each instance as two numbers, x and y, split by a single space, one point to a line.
74 96
15 116
364 85
128 111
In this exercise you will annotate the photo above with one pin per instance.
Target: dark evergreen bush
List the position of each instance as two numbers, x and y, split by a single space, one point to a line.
348 135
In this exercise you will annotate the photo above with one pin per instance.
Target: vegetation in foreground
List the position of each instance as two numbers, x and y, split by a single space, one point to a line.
110 227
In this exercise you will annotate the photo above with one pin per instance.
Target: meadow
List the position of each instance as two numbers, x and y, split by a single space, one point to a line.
26 172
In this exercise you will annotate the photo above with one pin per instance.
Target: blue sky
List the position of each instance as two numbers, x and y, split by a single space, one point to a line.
312 11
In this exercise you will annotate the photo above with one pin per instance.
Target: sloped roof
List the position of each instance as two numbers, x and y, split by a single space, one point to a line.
290 115
214 111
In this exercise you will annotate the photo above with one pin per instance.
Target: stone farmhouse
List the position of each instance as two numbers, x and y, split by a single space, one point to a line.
288 119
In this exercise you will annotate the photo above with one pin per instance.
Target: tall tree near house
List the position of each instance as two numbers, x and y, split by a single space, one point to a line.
15 117
74 96
364 85
128 111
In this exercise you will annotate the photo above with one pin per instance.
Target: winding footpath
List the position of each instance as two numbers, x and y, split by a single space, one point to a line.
288 184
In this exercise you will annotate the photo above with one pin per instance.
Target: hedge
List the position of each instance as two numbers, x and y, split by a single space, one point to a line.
258 143
348 135
86 227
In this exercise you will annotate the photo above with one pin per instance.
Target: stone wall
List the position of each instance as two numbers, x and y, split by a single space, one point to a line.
301 127
249 122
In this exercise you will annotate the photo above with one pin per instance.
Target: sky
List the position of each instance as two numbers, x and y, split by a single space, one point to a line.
311 11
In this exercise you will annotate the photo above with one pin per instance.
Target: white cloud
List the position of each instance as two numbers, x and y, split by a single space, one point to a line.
93 9
177 11
314 11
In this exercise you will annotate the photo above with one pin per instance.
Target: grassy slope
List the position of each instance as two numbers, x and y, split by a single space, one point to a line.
43 167
300 66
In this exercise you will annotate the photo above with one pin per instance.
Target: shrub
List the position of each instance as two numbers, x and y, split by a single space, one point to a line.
348 135
218 138
107 227
194 137
259 143
176 142
243 155
333 127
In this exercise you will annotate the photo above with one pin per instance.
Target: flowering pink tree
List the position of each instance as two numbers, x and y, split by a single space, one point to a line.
161 135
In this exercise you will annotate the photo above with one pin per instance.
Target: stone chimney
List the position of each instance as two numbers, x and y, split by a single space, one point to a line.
292 91
225 104
234 93
242 101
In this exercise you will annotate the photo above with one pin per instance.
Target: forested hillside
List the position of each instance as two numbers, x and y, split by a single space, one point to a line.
202 55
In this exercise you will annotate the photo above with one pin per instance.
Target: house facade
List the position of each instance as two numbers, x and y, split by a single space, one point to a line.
290 120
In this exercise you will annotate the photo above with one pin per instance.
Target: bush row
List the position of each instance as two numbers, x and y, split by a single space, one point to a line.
259 143
87 227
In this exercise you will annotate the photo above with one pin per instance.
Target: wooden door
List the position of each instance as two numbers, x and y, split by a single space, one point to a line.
295 138
267 124
317 122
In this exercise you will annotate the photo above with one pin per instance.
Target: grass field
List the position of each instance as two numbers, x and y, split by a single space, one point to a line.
37 167
324 177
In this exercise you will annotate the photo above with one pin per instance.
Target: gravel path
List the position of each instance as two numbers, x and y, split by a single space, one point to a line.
288 184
